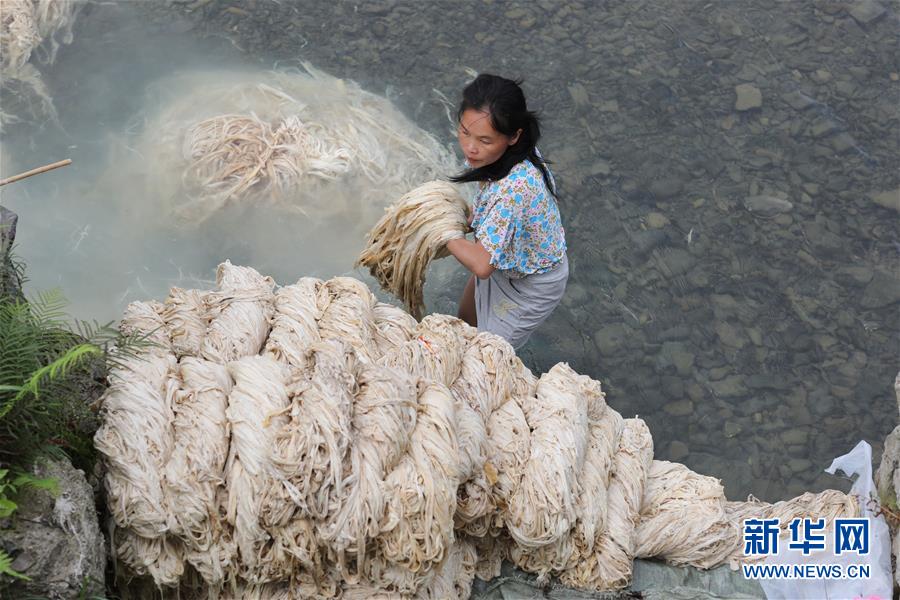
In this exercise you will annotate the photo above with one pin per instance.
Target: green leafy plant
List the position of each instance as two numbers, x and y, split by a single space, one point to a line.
50 370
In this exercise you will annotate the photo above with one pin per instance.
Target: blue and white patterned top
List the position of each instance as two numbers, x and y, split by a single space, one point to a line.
517 221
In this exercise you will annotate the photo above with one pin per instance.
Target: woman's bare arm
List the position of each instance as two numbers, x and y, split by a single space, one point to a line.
473 256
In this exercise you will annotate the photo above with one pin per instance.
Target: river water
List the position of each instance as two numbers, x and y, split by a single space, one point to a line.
729 176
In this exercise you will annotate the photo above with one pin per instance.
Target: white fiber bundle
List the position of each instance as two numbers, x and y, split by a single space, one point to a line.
393 327
610 566
453 578
144 319
413 232
384 416
300 141
605 434
557 554
311 453
542 509
294 550
294 325
683 518
473 499
421 490
255 410
524 383
242 308
194 475
162 558
186 319
229 155
136 435
486 373
367 455
256 591
479 389
348 315
445 339
32 29
508 452
435 351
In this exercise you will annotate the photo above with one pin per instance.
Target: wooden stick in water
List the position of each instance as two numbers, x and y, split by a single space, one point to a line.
44 169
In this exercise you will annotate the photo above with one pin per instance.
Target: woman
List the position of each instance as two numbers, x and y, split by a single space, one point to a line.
518 258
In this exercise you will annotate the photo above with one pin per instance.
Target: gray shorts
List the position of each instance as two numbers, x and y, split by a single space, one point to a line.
513 308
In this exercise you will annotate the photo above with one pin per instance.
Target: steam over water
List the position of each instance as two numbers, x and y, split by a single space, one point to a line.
728 175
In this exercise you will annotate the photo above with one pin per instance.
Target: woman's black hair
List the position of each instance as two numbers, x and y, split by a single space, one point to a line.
504 100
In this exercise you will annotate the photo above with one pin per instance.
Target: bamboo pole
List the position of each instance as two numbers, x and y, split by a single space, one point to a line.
44 169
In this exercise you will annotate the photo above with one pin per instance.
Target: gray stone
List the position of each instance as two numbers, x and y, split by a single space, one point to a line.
9 281
579 95
672 386
8 221
732 428
678 450
883 290
823 240
867 11
679 408
767 206
611 338
855 275
667 187
798 100
729 335
823 127
677 261
795 436
600 167
676 354
657 220
843 142
799 465
759 381
57 541
729 387
647 239
748 97
888 199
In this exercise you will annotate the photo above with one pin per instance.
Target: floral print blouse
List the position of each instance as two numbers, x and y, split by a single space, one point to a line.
517 221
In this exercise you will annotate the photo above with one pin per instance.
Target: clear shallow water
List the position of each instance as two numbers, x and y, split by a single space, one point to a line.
757 337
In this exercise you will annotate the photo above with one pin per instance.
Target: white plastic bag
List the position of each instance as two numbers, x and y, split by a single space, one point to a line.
879 585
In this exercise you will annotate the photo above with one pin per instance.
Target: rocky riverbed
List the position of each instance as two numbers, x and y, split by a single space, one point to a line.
729 186
730 189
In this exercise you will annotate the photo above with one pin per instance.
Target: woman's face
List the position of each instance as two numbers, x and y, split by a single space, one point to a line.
479 141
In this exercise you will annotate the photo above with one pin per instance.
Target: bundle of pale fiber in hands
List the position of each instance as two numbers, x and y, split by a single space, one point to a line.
413 232
314 442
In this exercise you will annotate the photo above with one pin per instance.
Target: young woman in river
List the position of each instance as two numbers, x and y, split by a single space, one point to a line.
518 257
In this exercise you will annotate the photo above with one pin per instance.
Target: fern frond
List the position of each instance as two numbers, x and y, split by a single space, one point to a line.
48 484
49 307
57 369
6 562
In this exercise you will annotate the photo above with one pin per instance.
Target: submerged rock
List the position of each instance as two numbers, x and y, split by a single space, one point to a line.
748 97
767 206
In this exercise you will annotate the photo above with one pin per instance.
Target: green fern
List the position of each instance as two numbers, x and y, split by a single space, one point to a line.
59 368
6 567
48 367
